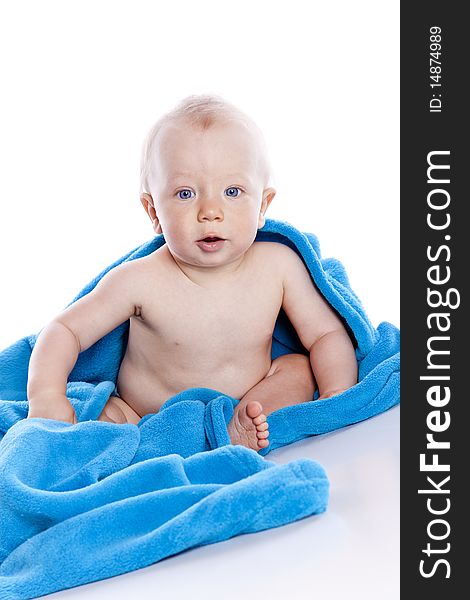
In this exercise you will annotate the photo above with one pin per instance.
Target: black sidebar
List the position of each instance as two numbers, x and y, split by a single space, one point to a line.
435 252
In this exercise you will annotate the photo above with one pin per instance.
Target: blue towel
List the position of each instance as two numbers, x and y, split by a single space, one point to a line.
84 502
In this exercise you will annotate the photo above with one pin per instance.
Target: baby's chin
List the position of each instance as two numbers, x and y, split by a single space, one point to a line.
218 259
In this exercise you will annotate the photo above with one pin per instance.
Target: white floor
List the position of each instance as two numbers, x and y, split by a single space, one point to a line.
351 551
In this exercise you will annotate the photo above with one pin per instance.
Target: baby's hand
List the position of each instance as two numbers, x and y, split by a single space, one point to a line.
52 406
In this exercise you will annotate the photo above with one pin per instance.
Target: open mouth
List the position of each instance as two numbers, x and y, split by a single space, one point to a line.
210 239
211 243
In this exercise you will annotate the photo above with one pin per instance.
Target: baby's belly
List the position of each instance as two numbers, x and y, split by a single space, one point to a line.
147 387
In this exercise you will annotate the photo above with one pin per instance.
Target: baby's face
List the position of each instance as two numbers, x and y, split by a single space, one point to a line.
208 185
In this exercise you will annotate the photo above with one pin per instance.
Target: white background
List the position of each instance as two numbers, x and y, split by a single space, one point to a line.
84 82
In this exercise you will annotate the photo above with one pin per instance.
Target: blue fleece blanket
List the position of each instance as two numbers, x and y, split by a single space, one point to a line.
88 501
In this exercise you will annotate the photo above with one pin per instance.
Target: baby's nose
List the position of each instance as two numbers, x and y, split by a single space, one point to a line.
210 211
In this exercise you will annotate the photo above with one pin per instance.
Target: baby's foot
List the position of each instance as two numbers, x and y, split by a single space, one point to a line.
248 427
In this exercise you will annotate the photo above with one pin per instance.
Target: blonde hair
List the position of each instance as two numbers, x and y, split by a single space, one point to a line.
201 111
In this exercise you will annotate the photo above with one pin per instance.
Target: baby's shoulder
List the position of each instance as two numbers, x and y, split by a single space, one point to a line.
154 261
136 271
279 261
276 251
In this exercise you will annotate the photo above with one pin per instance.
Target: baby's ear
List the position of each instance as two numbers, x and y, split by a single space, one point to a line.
268 195
147 203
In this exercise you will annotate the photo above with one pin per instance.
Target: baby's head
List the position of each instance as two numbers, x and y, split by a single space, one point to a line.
205 173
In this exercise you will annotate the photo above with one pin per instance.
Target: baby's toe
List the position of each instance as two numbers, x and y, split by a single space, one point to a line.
263 443
258 420
262 427
262 435
254 410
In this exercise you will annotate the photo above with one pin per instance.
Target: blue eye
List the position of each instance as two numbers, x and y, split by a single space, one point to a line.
185 194
232 192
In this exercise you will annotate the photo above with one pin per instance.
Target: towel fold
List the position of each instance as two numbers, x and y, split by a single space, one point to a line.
82 503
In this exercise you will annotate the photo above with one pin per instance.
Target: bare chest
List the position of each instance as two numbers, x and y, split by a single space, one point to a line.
210 320
183 317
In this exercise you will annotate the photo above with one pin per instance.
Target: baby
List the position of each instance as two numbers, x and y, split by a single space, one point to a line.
202 308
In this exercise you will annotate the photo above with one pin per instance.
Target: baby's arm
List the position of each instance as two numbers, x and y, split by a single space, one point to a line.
77 328
320 330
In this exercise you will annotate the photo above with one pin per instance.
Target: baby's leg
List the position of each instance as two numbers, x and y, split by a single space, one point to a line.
116 410
289 381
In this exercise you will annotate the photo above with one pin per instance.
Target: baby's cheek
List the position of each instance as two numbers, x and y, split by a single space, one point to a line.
177 241
172 231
